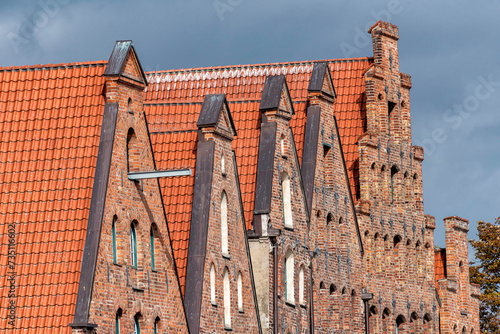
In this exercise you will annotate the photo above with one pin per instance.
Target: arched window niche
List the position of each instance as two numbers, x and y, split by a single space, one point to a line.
227 300
223 224
289 277
286 196
212 285
133 244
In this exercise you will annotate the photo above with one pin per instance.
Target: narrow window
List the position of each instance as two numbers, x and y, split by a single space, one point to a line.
227 300
390 108
240 293
212 284
394 171
399 320
282 145
130 106
155 328
289 279
223 165
301 285
287 200
113 232
133 246
152 241
117 321
407 187
223 223
137 327
133 152
397 240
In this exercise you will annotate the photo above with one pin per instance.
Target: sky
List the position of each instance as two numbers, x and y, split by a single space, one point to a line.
450 48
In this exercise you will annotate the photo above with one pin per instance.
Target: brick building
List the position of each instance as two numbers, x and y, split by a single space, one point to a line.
269 198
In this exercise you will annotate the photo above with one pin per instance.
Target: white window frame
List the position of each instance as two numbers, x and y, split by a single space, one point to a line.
224 225
212 285
286 196
227 300
240 293
289 277
301 286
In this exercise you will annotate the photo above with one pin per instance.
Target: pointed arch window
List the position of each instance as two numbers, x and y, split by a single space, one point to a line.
301 285
117 321
152 244
223 165
286 197
133 153
399 321
155 328
133 245
212 284
394 171
227 300
289 277
137 326
240 293
223 223
113 234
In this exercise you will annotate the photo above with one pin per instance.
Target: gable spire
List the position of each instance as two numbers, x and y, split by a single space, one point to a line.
124 63
276 97
321 81
215 116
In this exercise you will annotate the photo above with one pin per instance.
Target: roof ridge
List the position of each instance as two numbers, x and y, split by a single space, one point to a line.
262 65
52 66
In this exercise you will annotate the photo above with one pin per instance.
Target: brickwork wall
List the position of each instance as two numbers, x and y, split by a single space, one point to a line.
337 265
293 316
237 261
460 304
398 239
149 294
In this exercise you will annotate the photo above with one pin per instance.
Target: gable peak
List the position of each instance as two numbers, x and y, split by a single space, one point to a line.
276 96
124 62
215 114
321 80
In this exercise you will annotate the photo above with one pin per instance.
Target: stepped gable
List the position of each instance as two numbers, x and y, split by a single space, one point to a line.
173 97
50 120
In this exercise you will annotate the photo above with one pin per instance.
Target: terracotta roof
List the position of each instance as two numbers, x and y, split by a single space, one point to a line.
439 264
173 102
177 150
175 95
50 121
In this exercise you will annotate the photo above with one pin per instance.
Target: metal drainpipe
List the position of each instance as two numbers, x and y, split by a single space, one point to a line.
366 297
275 287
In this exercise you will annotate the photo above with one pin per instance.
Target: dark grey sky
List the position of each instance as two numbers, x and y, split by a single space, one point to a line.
450 48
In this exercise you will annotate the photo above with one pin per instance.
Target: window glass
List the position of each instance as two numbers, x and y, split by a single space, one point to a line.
152 240
133 246
227 300
224 227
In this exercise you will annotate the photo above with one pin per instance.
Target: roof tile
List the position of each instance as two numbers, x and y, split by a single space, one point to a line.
48 151
173 102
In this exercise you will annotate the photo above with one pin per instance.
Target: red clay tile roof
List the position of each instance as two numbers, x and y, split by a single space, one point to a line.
439 264
50 121
177 150
173 101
